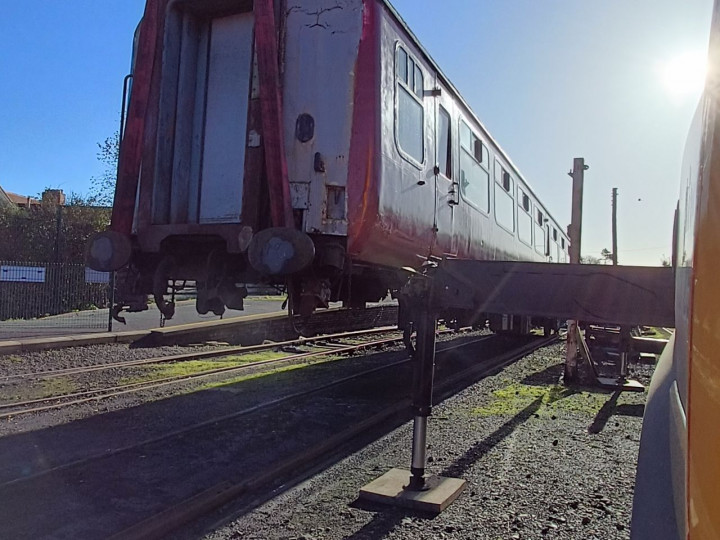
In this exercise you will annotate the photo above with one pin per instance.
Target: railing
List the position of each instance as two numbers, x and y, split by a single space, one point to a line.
38 299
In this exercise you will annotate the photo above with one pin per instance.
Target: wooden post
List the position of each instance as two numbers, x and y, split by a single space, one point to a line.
614 227
575 232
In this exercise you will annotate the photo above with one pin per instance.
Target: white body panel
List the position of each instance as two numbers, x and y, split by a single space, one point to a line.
321 47
406 208
228 87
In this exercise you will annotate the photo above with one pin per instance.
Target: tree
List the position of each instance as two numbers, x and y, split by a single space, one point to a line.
42 235
102 188
589 259
665 261
49 232
606 254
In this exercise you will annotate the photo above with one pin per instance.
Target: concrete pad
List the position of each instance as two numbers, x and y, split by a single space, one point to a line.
390 489
129 336
626 385
44 343
10 347
91 339
648 358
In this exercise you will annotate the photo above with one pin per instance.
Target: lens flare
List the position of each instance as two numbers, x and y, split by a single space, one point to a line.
684 75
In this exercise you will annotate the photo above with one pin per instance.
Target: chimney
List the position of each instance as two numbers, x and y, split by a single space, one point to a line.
54 196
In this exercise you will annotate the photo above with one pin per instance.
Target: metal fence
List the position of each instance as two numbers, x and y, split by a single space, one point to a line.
38 299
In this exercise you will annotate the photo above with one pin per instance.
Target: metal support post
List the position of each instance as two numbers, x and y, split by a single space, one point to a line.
111 301
624 346
424 372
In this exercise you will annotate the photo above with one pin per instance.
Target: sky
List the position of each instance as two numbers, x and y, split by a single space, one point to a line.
551 80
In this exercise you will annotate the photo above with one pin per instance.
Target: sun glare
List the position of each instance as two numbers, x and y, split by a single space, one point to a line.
684 75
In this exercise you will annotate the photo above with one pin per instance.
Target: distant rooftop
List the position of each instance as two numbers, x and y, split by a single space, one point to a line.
22 201
52 196
4 198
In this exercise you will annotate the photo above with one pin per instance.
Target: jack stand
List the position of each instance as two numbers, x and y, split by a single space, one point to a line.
585 365
429 494
579 365
423 375
622 382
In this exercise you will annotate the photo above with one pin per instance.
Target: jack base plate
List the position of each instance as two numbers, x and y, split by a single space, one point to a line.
391 488
627 385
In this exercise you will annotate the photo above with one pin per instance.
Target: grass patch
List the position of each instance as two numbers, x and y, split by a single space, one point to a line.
153 372
47 388
512 399
656 333
252 376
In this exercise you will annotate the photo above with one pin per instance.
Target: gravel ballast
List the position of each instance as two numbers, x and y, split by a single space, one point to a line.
541 461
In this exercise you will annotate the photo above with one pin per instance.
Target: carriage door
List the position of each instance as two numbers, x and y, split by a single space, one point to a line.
447 191
548 254
225 124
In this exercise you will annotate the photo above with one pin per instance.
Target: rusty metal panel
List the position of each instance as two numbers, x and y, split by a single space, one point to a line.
627 295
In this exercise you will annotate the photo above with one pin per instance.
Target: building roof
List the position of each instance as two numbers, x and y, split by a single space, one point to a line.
4 198
21 200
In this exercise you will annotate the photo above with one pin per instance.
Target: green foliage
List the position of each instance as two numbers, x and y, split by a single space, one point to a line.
48 232
54 236
515 397
38 389
102 188
589 259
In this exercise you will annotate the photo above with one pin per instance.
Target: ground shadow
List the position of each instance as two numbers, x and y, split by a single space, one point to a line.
387 517
549 375
604 414
626 409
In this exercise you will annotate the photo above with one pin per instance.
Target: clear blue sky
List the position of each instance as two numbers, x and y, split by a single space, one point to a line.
551 80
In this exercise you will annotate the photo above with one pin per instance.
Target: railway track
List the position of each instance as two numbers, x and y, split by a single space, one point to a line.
48 374
224 492
221 427
12 409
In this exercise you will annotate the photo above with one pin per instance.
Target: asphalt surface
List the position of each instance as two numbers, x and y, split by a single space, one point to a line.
85 322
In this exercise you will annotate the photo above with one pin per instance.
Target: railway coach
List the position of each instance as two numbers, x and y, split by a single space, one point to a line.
677 489
311 144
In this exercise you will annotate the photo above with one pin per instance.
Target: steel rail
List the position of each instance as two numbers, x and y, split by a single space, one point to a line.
195 355
105 393
115 391
231 416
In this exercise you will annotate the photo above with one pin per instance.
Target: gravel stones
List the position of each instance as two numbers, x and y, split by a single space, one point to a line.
541 461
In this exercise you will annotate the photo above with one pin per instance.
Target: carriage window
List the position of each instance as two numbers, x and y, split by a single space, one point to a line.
555 236
504 200
474 175
524 220
540 232
410 121
506 181
444 143
466 136
418 86
402 63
